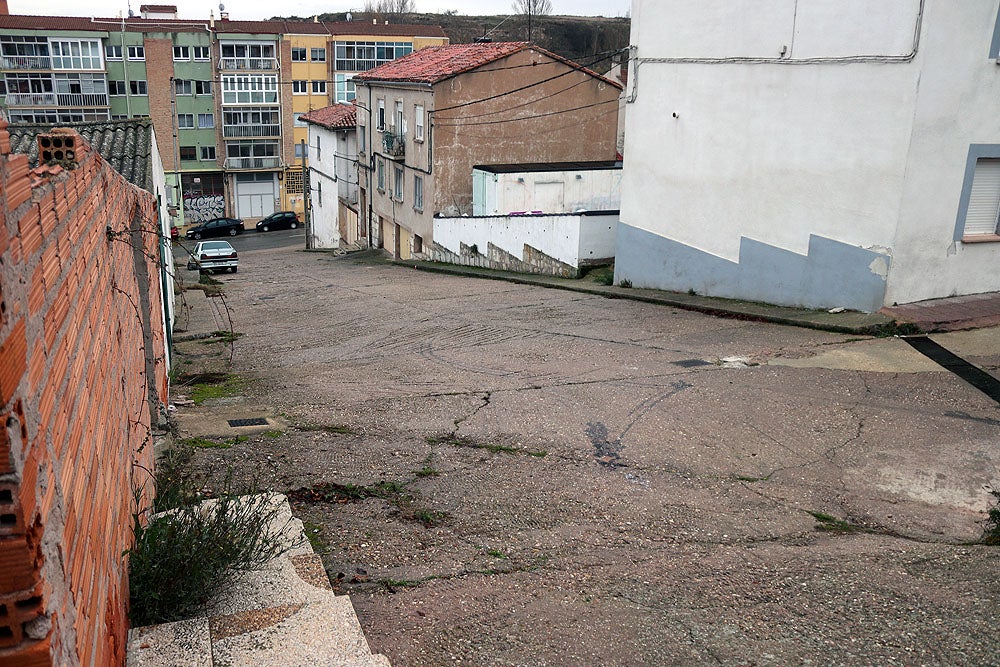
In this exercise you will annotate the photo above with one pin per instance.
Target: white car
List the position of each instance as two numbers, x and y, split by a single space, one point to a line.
213 256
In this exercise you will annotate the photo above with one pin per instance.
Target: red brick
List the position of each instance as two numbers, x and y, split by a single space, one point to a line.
6 465
36 654
13 361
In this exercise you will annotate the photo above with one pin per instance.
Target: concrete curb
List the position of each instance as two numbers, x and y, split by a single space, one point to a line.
862 324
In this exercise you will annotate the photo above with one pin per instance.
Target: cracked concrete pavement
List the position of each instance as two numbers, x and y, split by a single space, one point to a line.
580 481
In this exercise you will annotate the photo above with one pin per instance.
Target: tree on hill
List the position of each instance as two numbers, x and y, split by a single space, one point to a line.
532 8
389 6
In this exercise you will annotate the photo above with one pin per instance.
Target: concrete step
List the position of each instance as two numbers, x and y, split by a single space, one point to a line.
283 614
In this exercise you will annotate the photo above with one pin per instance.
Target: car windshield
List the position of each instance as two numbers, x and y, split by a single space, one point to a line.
216 245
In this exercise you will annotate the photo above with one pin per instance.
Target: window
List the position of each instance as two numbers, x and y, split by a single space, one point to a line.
298 54
319 87
300 87
983 201
207 152
185 121
398 183
399 123
113 52
299 151
317 55
206 121
76 54
137 87
248 55
248 89
202 87
201 53
418 192
418 114
361 138
189 152
380 117
182 53
118 116
319 148
319 192
361 56
380 172
136 53
117 88
182 86
344 88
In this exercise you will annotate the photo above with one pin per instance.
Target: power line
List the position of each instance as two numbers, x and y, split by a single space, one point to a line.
517 106
541 115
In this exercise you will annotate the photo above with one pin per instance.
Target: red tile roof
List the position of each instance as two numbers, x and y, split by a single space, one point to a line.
137 24
333 117
437 63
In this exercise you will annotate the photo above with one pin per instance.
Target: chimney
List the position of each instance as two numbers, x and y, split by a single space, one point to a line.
211 19
223 16
315 18
3 8
374 21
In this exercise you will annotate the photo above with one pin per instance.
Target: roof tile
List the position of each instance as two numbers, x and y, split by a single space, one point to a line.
435 63
333 117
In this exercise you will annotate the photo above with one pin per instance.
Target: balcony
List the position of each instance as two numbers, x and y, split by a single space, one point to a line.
57 100
26 62
250 131
393 143
248 64
236 163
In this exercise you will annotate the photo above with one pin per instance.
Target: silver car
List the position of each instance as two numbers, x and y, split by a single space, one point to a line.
213 256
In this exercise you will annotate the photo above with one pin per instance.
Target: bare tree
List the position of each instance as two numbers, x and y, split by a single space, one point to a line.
531 8
389 7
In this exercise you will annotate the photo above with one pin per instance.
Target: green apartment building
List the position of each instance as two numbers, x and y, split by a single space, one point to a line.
219 93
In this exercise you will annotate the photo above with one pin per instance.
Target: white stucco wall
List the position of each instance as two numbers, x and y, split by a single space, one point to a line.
570 239
546 191
775 127
167 256
322 175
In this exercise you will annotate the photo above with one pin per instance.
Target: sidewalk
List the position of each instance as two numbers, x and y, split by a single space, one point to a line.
967 312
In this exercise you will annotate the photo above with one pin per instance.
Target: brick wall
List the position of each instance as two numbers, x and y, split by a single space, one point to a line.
79 363
159 72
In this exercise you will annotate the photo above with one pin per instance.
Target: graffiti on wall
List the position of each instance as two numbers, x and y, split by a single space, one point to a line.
200 208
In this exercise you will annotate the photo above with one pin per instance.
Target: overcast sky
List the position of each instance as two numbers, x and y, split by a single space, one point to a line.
262 9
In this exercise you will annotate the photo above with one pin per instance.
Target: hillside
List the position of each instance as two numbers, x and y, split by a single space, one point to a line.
578 38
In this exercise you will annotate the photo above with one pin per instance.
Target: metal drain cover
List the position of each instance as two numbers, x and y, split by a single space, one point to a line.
255 421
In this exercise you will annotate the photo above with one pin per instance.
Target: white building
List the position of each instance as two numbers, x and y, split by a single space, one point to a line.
553 187
813 152
333 175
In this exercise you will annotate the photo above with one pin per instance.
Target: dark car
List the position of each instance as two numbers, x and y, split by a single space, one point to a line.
216 227
279 220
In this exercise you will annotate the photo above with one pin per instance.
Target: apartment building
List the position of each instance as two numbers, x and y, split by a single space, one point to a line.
224 96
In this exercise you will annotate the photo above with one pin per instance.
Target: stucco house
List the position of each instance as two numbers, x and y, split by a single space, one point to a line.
819 154
333 176
426 119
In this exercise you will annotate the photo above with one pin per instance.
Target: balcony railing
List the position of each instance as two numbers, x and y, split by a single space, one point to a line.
57 100
250 131
394 143
248 63
26 62
253 162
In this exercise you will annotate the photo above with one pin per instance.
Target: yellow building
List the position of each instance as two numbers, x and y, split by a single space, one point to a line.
322 60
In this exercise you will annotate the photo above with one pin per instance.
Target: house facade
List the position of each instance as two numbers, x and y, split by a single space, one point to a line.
333 173
225 96
822 154
427 119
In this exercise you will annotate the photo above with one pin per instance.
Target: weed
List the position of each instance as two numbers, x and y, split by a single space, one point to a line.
332 492
205 443
603 276
895 329
497 554
625 283
457 441
231 385
273 434
400 583
181 558
426 471
313 534
747 478
222 336
691 292
991 529
209 290
538 454
832 524
430 518
205 279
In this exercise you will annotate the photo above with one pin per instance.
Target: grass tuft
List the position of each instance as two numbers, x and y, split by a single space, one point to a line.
991 527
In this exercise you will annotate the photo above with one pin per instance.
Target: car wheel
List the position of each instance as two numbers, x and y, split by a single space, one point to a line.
233 232
265 228
197 235
293 225
235 269
191 266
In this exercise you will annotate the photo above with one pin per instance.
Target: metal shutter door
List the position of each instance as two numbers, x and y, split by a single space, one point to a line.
984 200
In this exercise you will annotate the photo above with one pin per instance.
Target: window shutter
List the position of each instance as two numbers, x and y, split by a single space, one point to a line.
984 200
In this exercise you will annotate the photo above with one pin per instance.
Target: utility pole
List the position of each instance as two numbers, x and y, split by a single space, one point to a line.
306 197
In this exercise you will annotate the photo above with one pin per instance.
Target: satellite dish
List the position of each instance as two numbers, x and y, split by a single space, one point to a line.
130 13
349 16
222 7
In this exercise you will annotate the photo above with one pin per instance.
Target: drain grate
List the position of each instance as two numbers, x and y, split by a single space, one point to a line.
255 421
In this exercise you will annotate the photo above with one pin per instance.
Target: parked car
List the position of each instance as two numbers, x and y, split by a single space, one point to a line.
175 233
279 220
216 227
213 256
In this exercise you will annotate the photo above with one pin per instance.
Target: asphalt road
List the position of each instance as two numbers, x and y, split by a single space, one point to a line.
508 475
